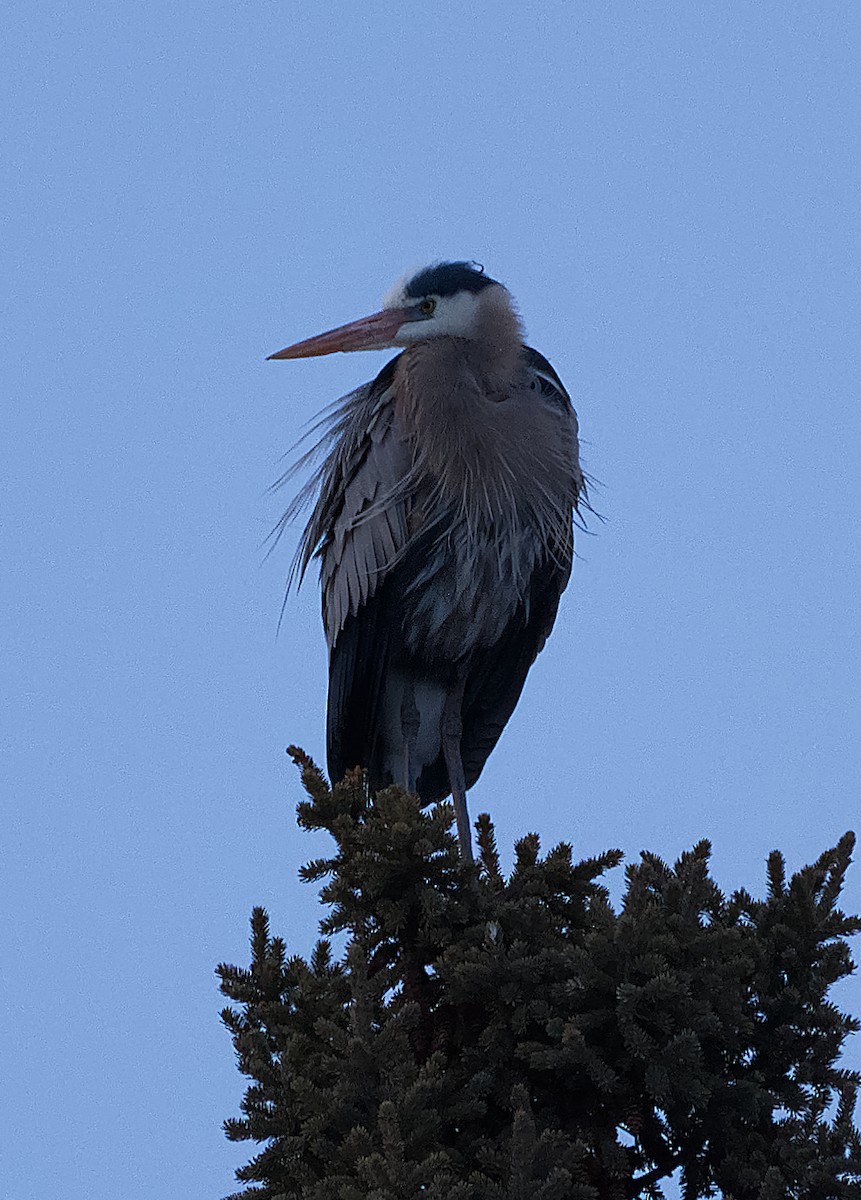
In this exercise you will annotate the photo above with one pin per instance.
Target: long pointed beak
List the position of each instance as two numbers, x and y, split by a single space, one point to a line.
376 332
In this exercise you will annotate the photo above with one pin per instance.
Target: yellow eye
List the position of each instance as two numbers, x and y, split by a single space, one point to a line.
427 307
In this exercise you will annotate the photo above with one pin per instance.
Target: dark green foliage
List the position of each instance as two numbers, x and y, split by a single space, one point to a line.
493 1039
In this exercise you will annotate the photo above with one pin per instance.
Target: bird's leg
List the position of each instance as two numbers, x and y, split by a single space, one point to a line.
410 731
452 731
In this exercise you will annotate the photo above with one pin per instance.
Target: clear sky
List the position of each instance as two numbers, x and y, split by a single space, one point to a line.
671 191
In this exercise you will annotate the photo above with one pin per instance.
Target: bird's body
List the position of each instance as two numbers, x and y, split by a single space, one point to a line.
444 527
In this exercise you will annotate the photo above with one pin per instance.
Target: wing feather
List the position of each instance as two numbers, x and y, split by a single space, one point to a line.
497 676
358 530
496 680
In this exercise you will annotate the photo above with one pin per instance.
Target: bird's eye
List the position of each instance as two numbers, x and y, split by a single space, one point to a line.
426 308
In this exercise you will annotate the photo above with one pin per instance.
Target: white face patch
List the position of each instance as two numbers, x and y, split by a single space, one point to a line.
454 316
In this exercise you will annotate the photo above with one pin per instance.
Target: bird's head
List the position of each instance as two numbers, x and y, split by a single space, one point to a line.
453 299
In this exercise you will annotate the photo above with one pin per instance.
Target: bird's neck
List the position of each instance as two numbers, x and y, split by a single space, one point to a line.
451 398
440 368
446 386
495 350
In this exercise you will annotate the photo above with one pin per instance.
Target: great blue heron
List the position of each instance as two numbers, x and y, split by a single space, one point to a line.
443 524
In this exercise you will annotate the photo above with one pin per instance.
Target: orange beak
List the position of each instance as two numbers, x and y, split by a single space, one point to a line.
376 332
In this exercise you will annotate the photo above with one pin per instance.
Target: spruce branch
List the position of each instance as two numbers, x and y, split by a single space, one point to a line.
493 1037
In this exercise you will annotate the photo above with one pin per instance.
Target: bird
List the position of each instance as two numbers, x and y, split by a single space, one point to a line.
444 505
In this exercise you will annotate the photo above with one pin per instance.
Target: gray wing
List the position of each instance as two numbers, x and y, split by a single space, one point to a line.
359 524
496 679
359 531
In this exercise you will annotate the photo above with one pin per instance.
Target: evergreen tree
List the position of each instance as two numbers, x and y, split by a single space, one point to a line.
485 1038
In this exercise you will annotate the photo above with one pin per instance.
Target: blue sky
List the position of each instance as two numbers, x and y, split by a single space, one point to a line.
671 193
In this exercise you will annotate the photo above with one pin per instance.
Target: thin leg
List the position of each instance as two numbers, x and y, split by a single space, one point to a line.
410 731
452 731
